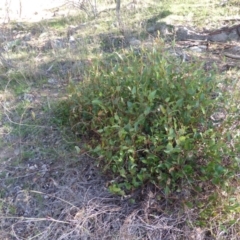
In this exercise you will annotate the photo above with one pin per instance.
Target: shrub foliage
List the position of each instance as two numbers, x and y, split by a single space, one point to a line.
148 119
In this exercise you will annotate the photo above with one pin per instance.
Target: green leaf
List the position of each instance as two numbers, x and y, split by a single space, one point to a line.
179 103
122 172
116 189
169 148
116 117
188 169
151 95
140 176
162 109
182 139
129 104
134 90
77 149
167 99
191 91
147 110
118 88
96 102
203 110
171 134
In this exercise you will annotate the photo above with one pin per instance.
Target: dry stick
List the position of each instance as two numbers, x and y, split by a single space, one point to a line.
230 19
229 55
50 195
35 219
118 5
225 29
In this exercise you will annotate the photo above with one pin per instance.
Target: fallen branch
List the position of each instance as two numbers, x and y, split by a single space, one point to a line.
225 29
229 55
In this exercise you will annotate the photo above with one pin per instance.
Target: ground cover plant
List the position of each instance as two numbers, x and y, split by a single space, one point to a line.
150 121
119 123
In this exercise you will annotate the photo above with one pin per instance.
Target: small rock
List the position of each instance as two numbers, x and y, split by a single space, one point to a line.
233 36
218 116
28 97
32 168
220 37
71 39
184 33
57 43
151 29
134 42
223 3
198 48
52 81
235 49
17 189
17 151
163 28
27 37
44 169
44 35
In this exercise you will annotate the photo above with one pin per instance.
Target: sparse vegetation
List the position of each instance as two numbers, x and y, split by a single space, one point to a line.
112 128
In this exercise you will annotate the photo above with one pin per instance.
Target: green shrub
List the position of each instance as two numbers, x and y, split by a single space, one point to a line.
148 119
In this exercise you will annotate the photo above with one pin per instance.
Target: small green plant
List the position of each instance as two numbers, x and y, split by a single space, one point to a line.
148 119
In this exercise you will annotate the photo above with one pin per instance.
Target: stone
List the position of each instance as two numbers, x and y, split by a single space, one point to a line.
71 39
151 29
218 116
57 43
184 33
27 37
134 42
162 27
44 35
52 81
17 151
33 167
28 97
233 36
220 37
200 48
